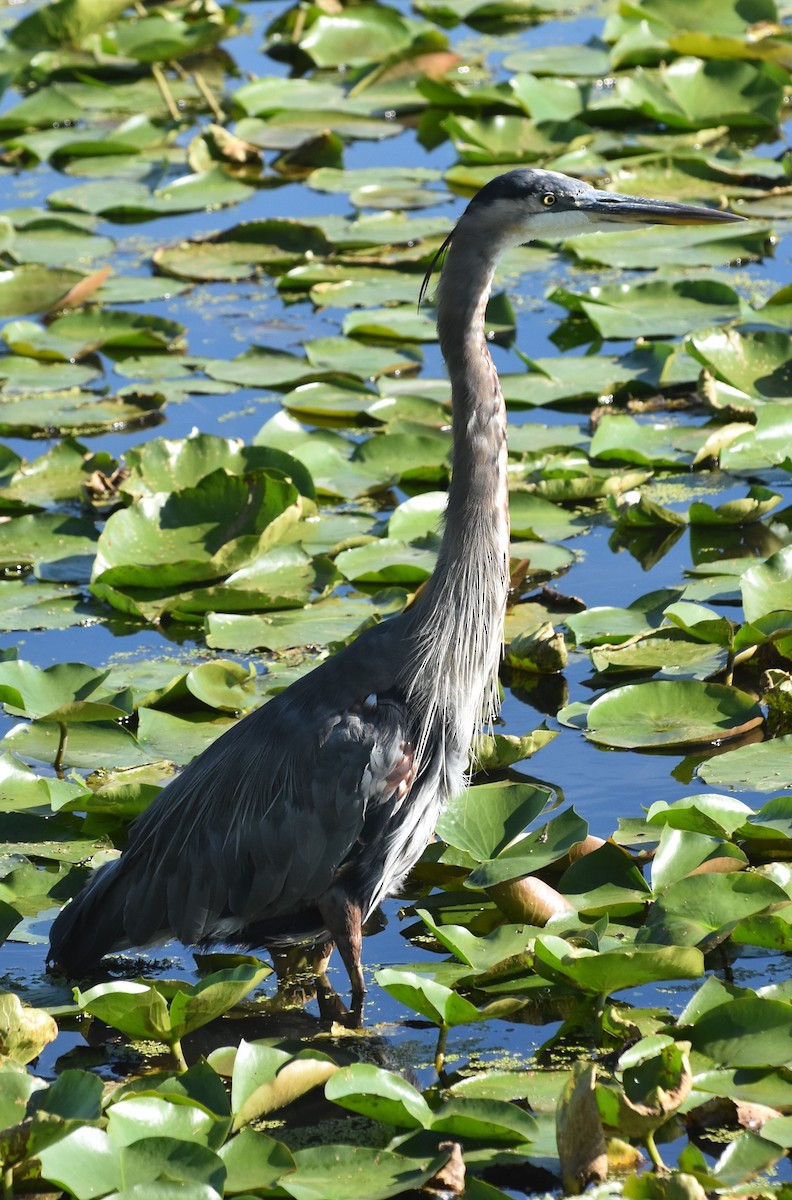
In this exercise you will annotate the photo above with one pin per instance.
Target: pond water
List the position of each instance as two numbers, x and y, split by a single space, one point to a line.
222 319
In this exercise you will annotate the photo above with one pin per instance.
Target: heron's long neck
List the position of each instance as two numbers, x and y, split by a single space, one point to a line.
460 614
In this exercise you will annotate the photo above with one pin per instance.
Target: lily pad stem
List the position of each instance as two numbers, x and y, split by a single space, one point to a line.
439 1060
737 659
178 1054
299 25
206 92
654 1154
368 79
165 92
57 762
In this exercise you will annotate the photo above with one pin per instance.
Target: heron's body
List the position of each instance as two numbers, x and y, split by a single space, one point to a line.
294 825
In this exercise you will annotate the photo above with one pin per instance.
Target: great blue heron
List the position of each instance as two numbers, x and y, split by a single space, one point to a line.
292 827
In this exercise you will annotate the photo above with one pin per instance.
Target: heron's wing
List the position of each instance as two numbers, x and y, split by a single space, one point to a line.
260 832
259 825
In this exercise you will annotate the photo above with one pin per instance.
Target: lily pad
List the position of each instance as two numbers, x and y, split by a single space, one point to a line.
671 713
764 767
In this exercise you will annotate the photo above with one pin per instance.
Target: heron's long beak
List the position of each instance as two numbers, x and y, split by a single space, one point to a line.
636 210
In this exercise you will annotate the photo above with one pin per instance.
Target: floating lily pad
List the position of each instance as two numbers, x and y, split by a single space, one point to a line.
243 250
358 1172
329 621
657 309
670 713
761 768
690 246
189 193
356 39
33 288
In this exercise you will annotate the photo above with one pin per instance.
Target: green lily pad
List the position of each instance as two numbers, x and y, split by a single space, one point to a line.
164 465
485 819
590 60
65 693
670 713
88 745
47 538
189 193
266 1078
167 1012
764 767
431 999
690 246
253 1160
379 1094
355 40
386 560
767 587
242 251
682 852
418 517
532 852
668 656
756 363
27 605
745 1032
702 910
660 308
196 534
53 242
764 445
603 972
346 1172
34 288
328 621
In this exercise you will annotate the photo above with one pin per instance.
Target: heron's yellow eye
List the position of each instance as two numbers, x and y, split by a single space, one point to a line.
548 199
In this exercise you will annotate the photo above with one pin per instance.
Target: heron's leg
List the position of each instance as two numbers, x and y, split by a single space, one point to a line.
344 920
331 1006
321 957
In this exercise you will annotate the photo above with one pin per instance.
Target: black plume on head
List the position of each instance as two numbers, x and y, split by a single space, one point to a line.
514 185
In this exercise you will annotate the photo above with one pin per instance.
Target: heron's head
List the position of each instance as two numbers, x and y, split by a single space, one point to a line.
527 204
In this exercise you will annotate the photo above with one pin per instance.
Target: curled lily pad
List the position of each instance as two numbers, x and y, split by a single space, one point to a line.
486 818
65 692
229 519
756 363
380 1094
167 1012
265 1078
767 587
24 1031
164 465
606 971
433 1000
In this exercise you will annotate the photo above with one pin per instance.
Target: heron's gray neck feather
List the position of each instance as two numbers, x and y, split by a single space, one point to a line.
459 618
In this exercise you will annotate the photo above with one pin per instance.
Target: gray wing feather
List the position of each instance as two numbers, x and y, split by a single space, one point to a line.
256 828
